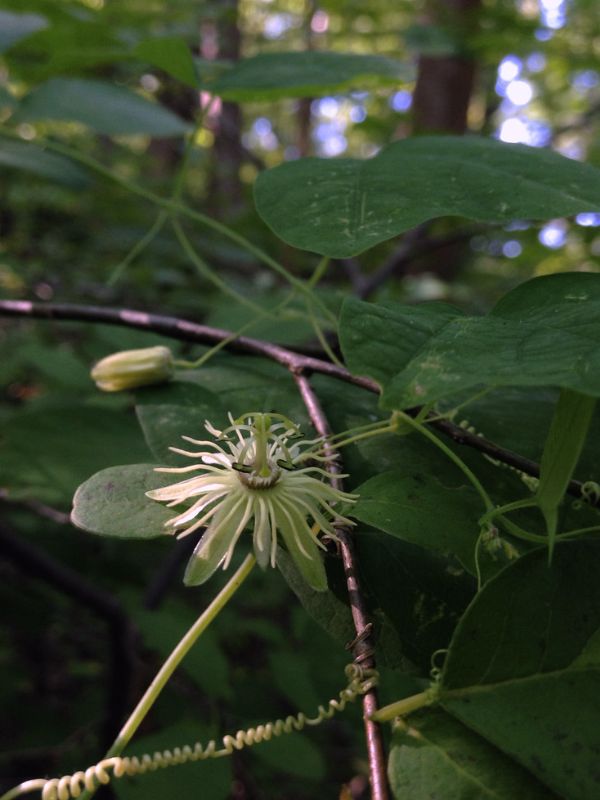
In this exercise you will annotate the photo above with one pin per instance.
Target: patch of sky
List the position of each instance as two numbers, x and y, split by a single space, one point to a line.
554 234
277 24
517 225
553 13
261 135
572 149
358 114
520 92
585 80
535 62
512 249
262 126
510 68
588 220
329 139
400 101
521 130
327 107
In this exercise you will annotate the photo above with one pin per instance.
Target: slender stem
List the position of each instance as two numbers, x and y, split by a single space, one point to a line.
175 658
138 248
578 532
365 435
179 362
163 216
402 708
527 502
363 645
520 533
204 270
369 426
489 506
174 206
184 330
320 335
318 273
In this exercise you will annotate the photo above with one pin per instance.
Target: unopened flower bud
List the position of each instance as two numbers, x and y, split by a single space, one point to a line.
131 368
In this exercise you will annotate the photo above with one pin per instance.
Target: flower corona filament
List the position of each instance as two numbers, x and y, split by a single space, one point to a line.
258 471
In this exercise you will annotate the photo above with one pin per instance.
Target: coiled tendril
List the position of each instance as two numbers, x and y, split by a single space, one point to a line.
360 681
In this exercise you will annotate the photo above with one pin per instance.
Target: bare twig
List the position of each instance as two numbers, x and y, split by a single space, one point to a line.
364 652
183 330
41 509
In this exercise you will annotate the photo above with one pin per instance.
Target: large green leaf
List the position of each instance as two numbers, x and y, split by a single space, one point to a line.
519 419
328 608
340 207
416 597
543 333
170 54
103 107
70 45
31 158
418 508
113 502
245 384
437 757
14 27
45 454
523 669
379 340
269 76
169 412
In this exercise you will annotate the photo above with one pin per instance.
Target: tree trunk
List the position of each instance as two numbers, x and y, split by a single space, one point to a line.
445 83
221 38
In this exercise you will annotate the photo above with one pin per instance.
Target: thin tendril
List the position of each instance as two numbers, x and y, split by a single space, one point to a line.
177 208
474 480
206 272
138 248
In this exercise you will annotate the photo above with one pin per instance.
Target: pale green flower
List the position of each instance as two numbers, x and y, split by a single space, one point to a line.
130 368
256 472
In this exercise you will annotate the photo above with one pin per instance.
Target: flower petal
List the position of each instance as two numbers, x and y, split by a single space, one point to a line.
263 534
212 547
306 557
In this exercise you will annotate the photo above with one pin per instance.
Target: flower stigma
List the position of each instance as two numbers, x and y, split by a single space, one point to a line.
260 471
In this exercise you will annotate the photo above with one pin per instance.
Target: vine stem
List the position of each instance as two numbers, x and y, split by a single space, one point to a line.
174 207
363 646
186 331
177 655
469 474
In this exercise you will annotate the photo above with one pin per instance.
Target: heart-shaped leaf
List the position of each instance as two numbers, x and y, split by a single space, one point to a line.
340 207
